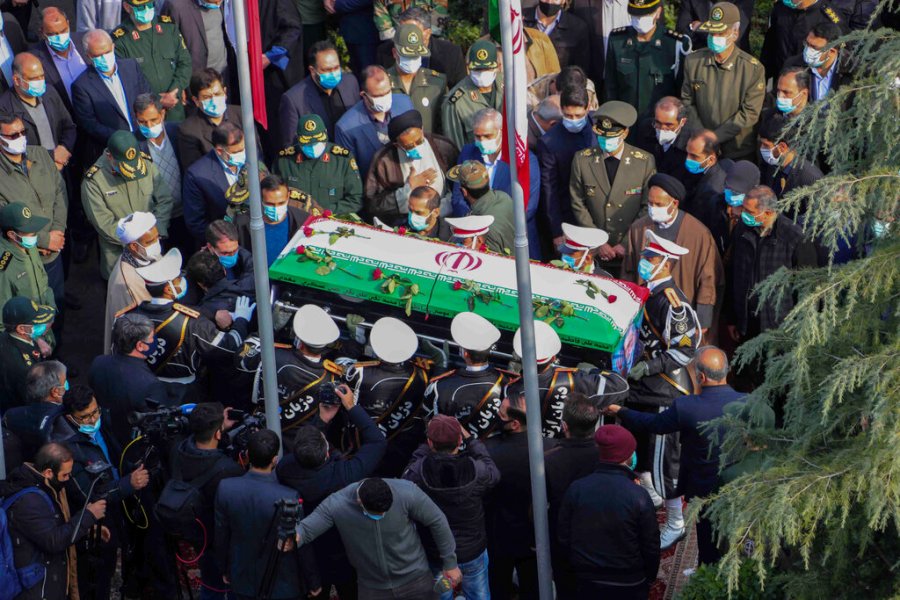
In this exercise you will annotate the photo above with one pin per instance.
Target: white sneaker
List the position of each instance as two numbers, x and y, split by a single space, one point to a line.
670 536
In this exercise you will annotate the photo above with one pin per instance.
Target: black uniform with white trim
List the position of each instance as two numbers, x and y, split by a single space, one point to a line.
472 395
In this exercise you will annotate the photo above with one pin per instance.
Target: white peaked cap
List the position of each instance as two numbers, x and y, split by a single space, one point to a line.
392 340
657 245
584 238
168 268
315 327
473 332
466 227
546 342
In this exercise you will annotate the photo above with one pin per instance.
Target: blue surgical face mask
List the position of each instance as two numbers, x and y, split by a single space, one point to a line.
749 220
228 261
90 428
59 42
36 88
732 199
569 260
717 43
66 385
784 105
28 241
214 107
488 146
331 79
417 222
574 125
105 62
151 133
694 166
184 288
790 3
609 144
144 15
313 150
274 213
633 464
38 330
880 228
414 153
237 159
373 517
645 269
209 5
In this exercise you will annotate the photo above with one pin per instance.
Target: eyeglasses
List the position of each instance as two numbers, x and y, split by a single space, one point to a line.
14 136
90 417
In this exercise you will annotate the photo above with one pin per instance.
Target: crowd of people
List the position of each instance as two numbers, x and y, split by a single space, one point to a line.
656 156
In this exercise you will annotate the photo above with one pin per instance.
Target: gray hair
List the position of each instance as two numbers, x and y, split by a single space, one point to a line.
670 102
128 330
488 113
417 14
89 37
145 101
764 196
548 109
41 379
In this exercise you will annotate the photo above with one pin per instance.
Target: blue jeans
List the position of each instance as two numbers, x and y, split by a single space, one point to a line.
475 585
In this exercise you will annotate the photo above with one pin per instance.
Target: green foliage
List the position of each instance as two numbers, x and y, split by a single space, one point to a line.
705 584
826 507
466 20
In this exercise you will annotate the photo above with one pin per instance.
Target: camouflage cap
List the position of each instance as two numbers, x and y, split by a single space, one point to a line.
722 17
16 216
613 118
124 148
643 7
482 55
22 310
410 41
310 129
471 174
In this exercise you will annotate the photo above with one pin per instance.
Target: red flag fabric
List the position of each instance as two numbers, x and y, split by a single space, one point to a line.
519 121
254 49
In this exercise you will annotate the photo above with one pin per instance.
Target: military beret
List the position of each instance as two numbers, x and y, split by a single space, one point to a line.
482 55
311 128
400 123
123 147
410 41
669 185
741 176
613 118
722 16
15 216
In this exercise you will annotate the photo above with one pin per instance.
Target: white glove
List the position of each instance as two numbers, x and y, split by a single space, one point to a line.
243 309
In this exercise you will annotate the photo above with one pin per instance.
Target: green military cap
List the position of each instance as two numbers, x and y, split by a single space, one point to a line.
125 150
471 174
613 117
643 7
482 55
722 17
238 192
21 310
15 216
311 128
410 41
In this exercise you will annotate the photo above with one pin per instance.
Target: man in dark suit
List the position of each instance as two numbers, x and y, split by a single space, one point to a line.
446 57
828 69
60 52
567 31
209 94
327 92
102 95
12 41
196 22
665 135
708 171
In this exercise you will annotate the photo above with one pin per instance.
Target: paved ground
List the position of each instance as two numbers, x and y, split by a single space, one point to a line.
83 330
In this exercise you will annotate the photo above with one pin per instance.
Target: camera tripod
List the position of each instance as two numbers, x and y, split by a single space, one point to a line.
281 531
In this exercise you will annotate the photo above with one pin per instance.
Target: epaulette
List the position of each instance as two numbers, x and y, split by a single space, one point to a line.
566 369
672 297
423 363
4 260
118 32
90 172
186 311
435 73
166 19
146 156
639 155
366 363
619 30
456 96
587 151
339 150
282 345
829 12
674 34
289 151
295 194
443 375
332 367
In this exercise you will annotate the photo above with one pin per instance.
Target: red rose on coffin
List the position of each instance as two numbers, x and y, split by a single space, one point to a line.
610 298
483 248
377 274
457 285
301 250
401 230
308 231
327 214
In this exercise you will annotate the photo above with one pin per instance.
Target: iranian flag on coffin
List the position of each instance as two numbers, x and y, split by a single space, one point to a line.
603 311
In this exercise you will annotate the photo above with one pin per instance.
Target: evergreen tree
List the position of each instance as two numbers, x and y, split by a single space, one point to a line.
823 514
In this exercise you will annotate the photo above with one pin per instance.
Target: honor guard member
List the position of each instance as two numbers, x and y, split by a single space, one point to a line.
472 231
325 171
608 185
670 334
21 271
301 370
481 89
425 87
472 394
643 60
24 322
576 251
157 46
121 182
185 340
556 383
391 390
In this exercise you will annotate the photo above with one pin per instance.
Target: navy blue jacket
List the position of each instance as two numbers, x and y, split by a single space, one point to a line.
699 472
304 98
355 132
95 108
203 194
51 73
556 149
357 21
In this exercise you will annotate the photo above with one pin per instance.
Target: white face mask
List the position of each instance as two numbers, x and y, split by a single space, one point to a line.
381 104
15 146
659 214
665 137
644 24
409 65
153 251
483 79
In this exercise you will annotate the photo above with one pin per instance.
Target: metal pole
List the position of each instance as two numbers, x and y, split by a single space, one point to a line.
526 318
257 233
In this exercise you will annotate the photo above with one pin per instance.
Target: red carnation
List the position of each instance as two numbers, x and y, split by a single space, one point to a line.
457 285
327 214
483 248
611 298
308 231
377 274
301 250
401 230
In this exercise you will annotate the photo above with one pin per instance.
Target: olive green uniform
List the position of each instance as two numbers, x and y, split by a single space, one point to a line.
332 179
40 187
426 91
500 238
107 197
162 55
463 101
22 274
610 207
640 73
388 11
726 98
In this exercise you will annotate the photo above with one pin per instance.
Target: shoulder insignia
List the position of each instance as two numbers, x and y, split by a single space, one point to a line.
339 151
190 312
672 297
456 96
118 32
423 363
166 19
282 346
367 363
353 164
146 156
331 367
832 15
753 61
619 30
566 369
289 151
443 375
90 172
673 33
638 154
435 73
295 194
4 260
586 152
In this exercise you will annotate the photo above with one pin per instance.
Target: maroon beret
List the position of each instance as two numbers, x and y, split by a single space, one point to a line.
444 430
615 443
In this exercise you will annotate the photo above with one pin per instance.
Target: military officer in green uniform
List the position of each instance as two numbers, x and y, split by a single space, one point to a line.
387 15
481 89
642 61
156 44
608 184
22 344
425 87
122 181
21 270
323 170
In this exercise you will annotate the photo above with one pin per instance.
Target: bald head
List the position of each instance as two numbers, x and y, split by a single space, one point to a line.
52 17
712 364
26 63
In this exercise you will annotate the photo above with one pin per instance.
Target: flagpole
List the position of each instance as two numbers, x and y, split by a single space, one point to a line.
257 233
526 315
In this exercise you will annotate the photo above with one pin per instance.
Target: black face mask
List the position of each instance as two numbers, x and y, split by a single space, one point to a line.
549 10
56 484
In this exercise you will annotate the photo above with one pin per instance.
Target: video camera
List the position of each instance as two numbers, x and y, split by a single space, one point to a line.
162 423
289 514
101 477
239 435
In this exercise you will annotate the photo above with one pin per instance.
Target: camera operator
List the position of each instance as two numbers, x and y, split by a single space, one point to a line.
42 527
316 472
245 507
86 430
199 459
